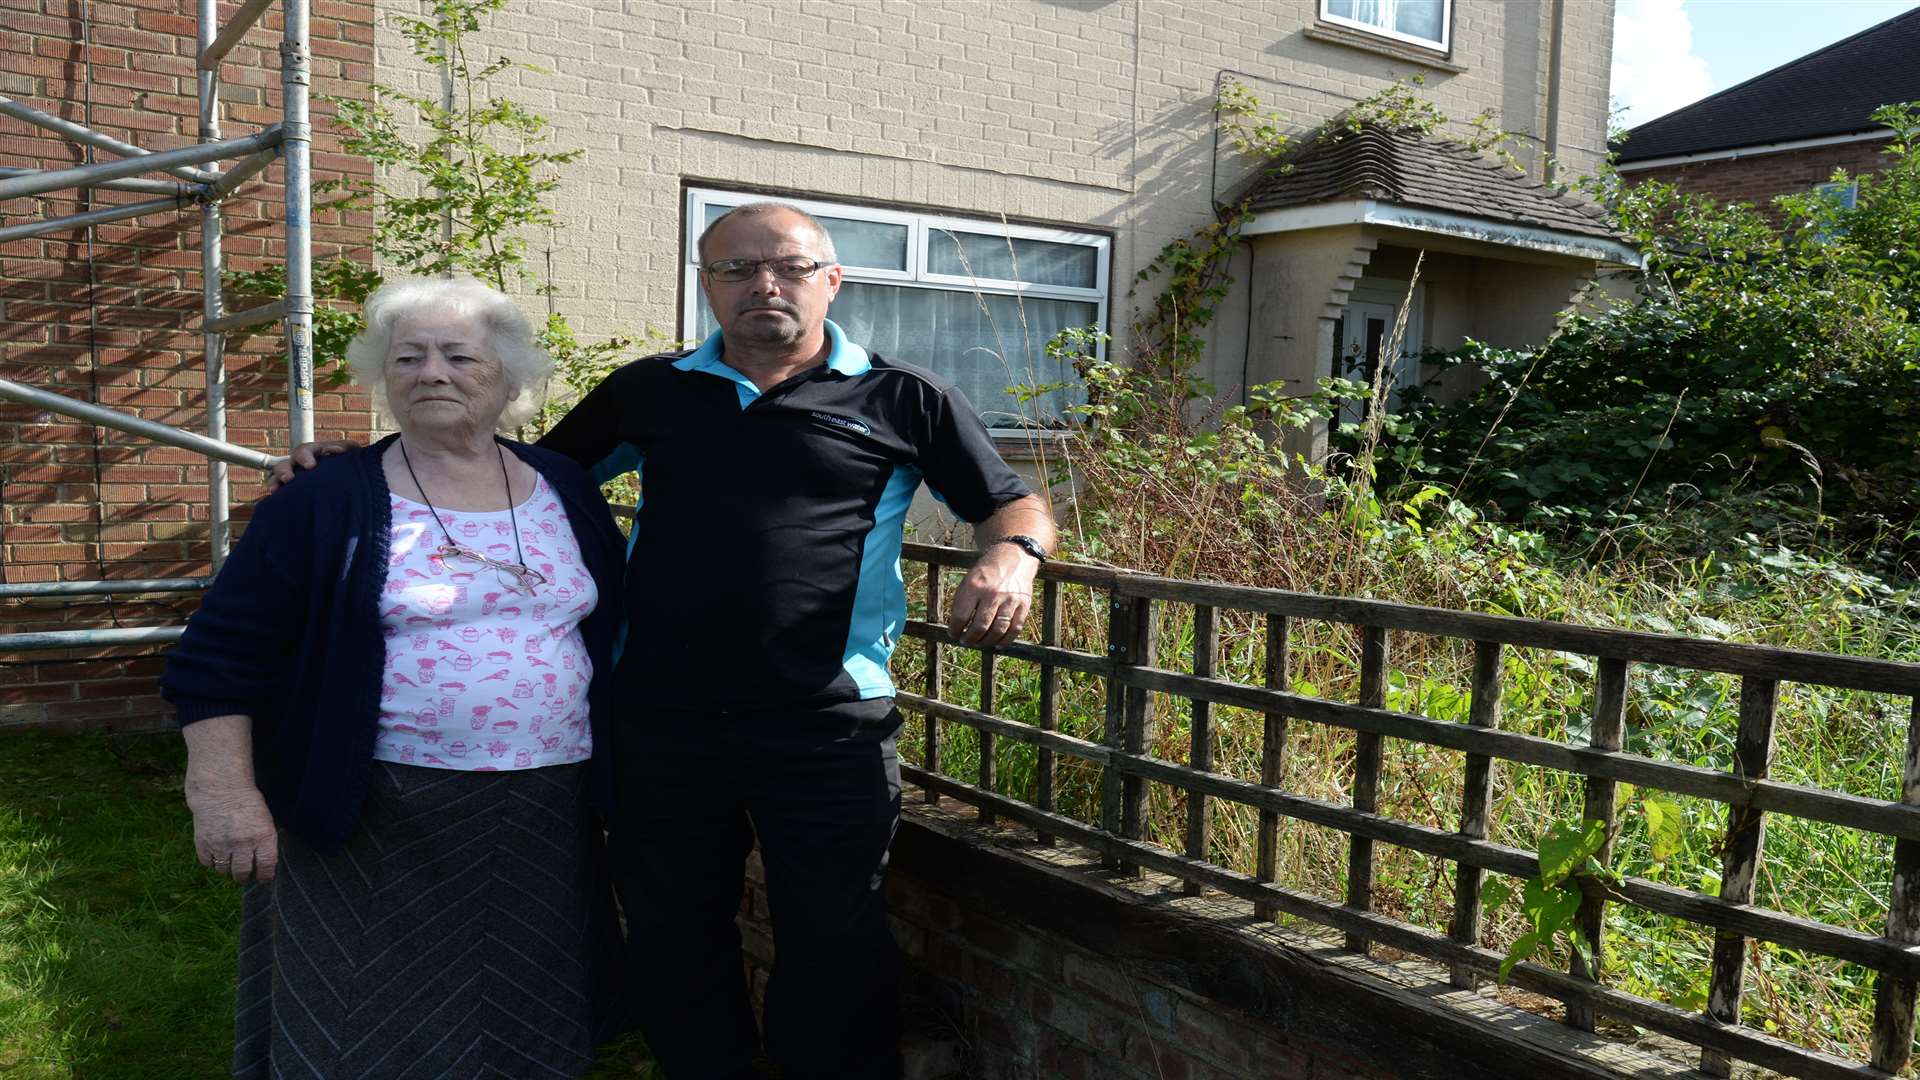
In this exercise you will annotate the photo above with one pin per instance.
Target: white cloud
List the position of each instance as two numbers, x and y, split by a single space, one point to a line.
1655 70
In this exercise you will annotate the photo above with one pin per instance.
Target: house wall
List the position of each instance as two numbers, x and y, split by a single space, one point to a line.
1072 112
1086 113
115 322
1760 178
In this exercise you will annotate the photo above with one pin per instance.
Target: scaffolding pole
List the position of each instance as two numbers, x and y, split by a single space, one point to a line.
213 342
41 181
165 434
144 187
41 590
91 639
289 141
296 145
80 133
29 229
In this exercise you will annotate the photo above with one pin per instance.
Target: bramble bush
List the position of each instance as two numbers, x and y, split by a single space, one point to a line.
1760 390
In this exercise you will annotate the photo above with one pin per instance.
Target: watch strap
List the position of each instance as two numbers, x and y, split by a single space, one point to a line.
1025 543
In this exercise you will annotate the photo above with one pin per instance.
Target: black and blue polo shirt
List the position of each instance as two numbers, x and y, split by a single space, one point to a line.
764 567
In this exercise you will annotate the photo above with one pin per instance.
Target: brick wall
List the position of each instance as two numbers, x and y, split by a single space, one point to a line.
1761 178
115 322
1033 963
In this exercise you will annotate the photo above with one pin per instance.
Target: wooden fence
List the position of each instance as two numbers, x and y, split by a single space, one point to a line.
1131 675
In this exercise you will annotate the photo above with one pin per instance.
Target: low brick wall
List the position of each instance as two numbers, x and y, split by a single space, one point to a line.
1031 963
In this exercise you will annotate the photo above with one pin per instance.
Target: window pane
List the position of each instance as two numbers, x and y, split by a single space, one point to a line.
1418 18
982 352
944 330
1036 262
880 245
1415 18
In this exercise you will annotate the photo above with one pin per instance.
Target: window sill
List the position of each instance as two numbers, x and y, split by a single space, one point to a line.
1357 39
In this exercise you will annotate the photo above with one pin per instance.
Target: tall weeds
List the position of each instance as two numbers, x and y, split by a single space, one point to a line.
1201 490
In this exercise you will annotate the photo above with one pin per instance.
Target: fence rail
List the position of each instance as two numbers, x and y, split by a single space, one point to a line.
1131 675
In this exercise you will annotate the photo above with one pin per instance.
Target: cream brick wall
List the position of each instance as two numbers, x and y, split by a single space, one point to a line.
1086 113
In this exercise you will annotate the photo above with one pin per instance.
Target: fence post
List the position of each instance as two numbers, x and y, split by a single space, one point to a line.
1483 712
1120 619
1206 643
1273 757
1740 858
1608 733
1050 612
1893 998
986 737
935 601
1141 647
1368 752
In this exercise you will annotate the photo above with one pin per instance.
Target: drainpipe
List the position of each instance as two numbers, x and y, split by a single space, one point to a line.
1556 30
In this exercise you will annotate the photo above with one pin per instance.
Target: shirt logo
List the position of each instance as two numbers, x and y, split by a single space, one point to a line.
847 423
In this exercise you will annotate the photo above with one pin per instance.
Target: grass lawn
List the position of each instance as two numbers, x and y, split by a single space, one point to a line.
116 948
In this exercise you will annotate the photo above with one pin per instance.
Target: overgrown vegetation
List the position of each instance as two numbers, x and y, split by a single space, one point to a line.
1697 440
1757 397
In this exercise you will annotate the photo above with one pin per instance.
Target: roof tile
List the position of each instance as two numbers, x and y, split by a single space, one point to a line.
1419 171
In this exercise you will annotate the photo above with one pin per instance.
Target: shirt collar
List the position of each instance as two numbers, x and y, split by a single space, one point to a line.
843 357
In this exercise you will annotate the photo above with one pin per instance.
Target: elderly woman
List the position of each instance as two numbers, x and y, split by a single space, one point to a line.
393 697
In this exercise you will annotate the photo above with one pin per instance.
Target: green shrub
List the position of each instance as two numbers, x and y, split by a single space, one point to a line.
1762 387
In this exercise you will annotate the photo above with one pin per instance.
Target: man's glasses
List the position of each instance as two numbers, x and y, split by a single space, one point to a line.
511 575
791 267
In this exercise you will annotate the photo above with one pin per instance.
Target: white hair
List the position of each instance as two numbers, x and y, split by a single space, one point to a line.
508 338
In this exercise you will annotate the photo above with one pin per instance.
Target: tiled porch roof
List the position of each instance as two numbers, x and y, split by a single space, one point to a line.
1428 173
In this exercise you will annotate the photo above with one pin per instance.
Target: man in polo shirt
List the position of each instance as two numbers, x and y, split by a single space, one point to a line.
777 462
763 598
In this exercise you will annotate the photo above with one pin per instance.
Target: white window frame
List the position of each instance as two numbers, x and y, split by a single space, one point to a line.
1444 45
921 228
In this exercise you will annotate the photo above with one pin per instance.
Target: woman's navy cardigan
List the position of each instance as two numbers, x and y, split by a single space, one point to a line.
289 634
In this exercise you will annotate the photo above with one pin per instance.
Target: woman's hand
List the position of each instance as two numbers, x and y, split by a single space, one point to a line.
233 830
233 833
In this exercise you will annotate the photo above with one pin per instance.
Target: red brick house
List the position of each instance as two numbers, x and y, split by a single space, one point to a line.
1788 129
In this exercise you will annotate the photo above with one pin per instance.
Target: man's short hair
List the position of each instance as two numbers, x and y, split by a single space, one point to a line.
826 252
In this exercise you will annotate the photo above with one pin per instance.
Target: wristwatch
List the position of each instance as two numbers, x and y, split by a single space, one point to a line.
1027 544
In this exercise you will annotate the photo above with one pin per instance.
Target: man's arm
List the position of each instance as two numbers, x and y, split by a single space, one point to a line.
993 601
591 432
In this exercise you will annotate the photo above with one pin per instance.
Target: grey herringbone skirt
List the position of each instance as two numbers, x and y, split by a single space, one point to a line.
465 930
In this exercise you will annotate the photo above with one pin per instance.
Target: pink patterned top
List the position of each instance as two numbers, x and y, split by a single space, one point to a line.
480 677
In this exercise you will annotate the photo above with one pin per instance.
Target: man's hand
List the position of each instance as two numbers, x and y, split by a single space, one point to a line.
992 603
304 456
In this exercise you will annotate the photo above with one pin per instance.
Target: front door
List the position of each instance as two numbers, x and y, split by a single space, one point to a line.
1361 335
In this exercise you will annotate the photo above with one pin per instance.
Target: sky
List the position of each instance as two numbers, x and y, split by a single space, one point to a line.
1670 53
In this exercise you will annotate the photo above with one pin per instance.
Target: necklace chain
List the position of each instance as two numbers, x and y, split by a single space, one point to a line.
526 573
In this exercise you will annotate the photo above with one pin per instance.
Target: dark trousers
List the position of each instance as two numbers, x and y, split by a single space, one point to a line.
821 791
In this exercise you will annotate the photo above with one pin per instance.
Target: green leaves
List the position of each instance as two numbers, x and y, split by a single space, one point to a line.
1568 847
1724 397
1666 828
1551 900
461 197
